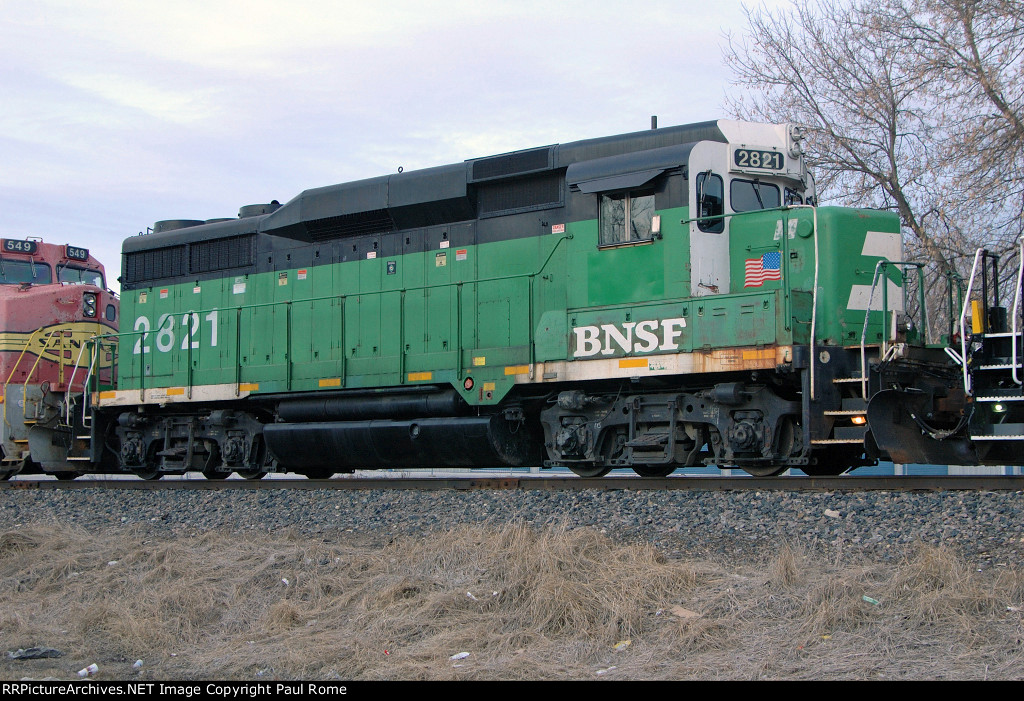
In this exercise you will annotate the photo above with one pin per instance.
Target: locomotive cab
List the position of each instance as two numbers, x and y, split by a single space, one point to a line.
760 167
53 300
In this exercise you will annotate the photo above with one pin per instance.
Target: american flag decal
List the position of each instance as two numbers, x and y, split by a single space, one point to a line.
767 267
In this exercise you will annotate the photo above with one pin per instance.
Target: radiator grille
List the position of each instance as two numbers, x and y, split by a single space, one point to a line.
360 223
221 254
512 164
527 193
155 264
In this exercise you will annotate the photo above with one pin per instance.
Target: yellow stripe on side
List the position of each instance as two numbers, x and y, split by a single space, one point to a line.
633 363
248 386
110 394
766 354
175 391
331 382
517 369
420 376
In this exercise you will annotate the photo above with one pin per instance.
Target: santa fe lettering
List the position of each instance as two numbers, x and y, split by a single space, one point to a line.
630 337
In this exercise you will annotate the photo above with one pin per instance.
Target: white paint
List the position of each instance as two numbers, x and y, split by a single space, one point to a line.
860 294
883 245
608 339
709 253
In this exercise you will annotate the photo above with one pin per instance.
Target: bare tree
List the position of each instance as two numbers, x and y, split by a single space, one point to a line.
973 54
911 105
916 105
862 102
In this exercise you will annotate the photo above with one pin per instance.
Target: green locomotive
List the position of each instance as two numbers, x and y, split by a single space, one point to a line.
651 300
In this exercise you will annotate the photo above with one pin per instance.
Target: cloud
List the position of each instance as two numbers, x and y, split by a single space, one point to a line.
119 114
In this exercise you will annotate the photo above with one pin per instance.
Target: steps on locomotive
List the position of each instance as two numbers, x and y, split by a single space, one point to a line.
77 440
853 402
997 371
851 407
31 412
80 449
996 380
998 395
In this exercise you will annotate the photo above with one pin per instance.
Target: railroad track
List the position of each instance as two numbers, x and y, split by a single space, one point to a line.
687 483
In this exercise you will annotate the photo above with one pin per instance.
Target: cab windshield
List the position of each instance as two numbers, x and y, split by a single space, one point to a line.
748 195
79 276
20 272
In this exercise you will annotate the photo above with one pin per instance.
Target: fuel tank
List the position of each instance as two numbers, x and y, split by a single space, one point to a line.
432 442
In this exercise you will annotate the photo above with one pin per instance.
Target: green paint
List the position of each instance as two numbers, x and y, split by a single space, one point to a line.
510 303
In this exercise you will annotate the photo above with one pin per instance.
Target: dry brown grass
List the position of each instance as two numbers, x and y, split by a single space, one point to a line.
525 603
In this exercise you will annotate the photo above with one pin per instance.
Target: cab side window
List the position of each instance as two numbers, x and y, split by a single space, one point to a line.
626 217
710 203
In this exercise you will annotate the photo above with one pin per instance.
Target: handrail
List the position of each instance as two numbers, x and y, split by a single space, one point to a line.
864 330
48 344
96 352
28 343
963 313
879 266
1016 310
814 295
74 371
727 215
60 363
14 369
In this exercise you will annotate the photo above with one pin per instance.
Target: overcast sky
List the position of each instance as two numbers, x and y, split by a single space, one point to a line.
118 113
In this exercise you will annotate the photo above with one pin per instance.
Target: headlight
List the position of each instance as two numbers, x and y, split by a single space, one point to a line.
89 305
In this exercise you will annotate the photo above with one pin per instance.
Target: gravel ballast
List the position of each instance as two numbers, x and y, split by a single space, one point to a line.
985 527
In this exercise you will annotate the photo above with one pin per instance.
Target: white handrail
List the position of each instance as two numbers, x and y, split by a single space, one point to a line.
963 313
864 331
1016 310
814 293
85 384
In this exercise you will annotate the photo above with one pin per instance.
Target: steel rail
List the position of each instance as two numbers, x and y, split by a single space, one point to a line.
556 483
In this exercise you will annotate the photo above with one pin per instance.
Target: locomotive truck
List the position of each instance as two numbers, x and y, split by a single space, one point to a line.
653 300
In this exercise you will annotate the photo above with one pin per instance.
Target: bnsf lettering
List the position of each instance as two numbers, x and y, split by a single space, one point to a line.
630 337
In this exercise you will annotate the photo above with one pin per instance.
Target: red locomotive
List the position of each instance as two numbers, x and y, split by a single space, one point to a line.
53 299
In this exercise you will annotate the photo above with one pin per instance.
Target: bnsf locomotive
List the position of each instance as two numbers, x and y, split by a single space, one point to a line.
53 300
653 300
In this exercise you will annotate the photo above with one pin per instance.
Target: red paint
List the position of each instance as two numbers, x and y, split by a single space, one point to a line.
25 308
